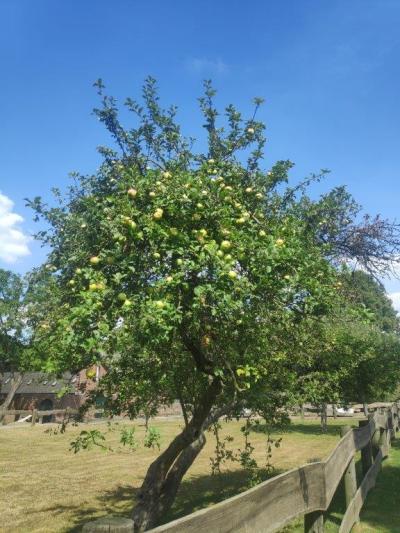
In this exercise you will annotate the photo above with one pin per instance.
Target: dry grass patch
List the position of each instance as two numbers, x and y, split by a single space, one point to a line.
46 488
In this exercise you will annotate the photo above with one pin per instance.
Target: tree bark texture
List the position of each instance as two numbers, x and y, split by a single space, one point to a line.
165 474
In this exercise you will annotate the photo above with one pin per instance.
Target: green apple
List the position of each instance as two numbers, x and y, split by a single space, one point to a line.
158 214
156 255
121 297
232 274
132 192
94 260
225 245
160 304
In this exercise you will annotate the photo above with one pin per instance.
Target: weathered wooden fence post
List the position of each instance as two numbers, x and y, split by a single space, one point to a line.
34 417
314 522
350 480
391 429
366 452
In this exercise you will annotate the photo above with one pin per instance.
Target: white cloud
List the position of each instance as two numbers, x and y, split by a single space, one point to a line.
13 241
395 297
202 65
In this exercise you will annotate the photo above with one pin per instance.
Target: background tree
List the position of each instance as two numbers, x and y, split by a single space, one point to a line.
363 289
22 302
13 351
376 374
11 331
11 323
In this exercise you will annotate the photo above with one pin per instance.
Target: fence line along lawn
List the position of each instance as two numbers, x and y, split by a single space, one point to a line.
46 488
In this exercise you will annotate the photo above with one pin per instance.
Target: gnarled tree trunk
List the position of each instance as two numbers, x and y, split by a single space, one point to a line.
324 417
165 474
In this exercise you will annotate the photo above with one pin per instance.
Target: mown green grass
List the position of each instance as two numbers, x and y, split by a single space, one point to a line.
381 512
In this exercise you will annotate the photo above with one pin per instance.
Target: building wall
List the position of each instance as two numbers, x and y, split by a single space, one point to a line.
33 401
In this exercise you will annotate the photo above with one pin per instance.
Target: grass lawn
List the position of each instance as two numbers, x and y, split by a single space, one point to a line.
46 488
381 512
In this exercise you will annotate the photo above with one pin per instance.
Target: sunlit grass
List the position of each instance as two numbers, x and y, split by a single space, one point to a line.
46 488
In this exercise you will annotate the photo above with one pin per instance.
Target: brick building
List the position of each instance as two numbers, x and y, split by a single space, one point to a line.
46 392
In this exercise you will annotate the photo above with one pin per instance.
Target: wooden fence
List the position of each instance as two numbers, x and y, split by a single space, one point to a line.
307 490
36 415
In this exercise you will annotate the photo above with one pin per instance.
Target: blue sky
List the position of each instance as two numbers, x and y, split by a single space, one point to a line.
329 71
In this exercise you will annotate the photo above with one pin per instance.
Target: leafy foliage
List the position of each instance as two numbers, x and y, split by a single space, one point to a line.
153 438
11 322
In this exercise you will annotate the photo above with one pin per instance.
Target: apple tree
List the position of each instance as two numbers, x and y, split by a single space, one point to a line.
187 276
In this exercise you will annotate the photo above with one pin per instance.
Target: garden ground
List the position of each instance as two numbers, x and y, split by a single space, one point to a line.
46 488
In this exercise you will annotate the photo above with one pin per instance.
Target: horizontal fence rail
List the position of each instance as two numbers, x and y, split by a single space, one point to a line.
36 415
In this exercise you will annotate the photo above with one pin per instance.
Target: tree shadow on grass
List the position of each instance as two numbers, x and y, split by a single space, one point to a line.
202 491
116 502
194 493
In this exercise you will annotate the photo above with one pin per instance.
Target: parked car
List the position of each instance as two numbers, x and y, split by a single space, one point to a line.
345 411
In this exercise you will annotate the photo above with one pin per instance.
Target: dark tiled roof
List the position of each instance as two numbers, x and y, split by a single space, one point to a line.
39 383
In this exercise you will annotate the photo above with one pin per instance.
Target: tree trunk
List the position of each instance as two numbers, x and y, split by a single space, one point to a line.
324 418
164 475
16 381
365 408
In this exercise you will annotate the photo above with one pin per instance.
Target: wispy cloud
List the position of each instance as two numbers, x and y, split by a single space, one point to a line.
206 66
13 241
